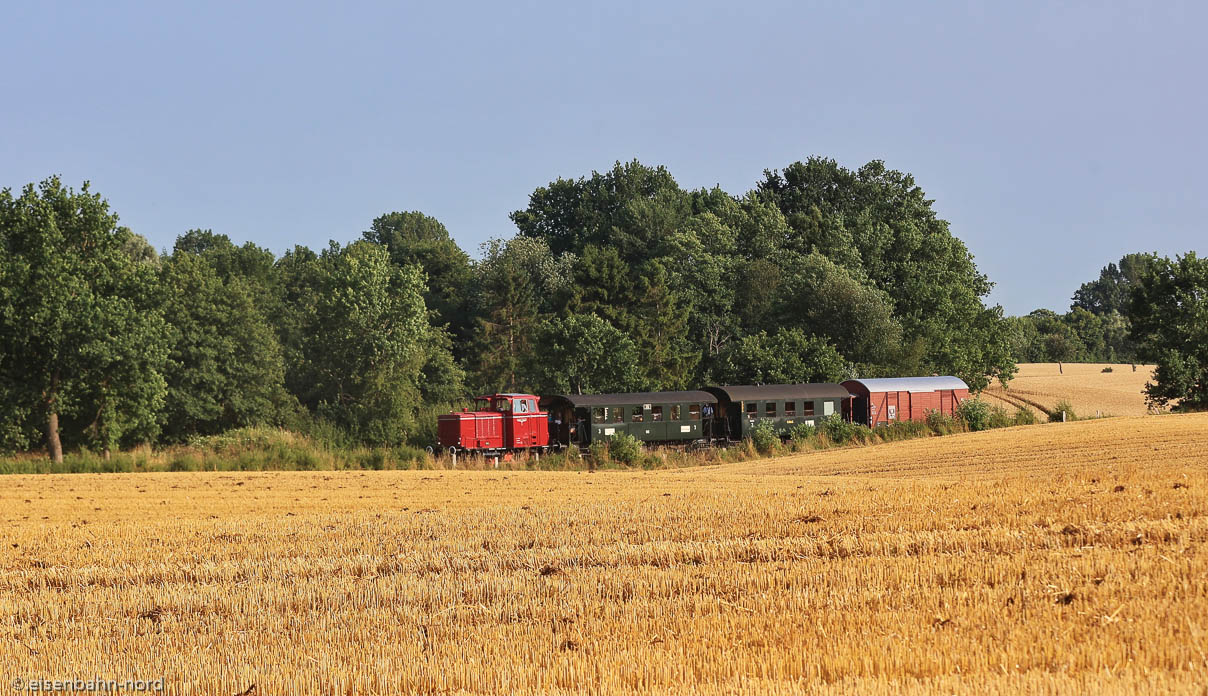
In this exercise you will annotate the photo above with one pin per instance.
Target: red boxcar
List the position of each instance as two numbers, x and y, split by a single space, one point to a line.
498 423
881 401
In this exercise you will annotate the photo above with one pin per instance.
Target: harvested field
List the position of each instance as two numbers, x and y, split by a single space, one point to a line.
1091 391
1056 558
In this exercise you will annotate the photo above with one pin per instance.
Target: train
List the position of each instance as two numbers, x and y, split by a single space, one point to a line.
511 422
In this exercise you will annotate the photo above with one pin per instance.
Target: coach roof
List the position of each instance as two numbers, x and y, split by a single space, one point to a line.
668 397
777 392
910 384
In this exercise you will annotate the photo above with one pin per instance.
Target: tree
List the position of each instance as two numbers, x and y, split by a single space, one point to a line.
82 343
361 339
225 367
628 207
585 354
1168 310
824 299
787 357
1110 293
508 305
415 238
879 225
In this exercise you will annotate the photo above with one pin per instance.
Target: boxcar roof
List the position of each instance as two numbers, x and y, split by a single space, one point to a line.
749 392
636 398
910 384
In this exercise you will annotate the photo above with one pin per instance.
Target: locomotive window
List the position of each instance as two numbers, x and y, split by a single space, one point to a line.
503 405
656 413
807 408
693 411
637 415
522 406
675 412
790 408
597 415
532 405
482 404
752 409
770 409
617 413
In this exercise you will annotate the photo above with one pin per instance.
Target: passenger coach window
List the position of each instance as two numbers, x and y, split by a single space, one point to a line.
807 408
790 408
693 411
770 409
656 413
597 415
752 409
636 416
618 414
675 413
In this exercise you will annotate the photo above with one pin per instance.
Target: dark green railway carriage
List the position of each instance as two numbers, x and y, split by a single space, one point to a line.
785 405
653 417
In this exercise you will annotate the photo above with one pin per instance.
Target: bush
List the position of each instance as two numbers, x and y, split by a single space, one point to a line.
999 418
903 430
1106 369
764 437
625 449
940 423
840 432
975 414
599 452
803 431
1024 416
1067 407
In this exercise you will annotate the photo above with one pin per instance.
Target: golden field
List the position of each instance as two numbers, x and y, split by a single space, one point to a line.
1063 558
1089 389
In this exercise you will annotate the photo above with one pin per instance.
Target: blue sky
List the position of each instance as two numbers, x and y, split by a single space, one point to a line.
1055 137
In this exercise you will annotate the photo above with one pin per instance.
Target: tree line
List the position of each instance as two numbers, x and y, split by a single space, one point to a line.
617 281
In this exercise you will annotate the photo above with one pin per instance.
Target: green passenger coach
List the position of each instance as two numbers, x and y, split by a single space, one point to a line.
785 405
653 417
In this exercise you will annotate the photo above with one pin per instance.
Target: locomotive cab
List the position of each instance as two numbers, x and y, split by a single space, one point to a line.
498 423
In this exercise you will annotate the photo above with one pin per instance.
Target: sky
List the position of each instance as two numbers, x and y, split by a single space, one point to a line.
1055 137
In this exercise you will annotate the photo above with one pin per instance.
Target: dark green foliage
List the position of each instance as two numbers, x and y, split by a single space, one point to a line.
225 368
841 432
787 357
413 238
584 354
975 414
1024 416
362 341
941 423
82 340
879 225
514 283
764 437
626 207
1110 293
1063 407
904 430
803 431
1169 314
626 449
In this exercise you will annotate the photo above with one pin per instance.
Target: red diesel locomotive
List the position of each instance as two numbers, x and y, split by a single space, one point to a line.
499 423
